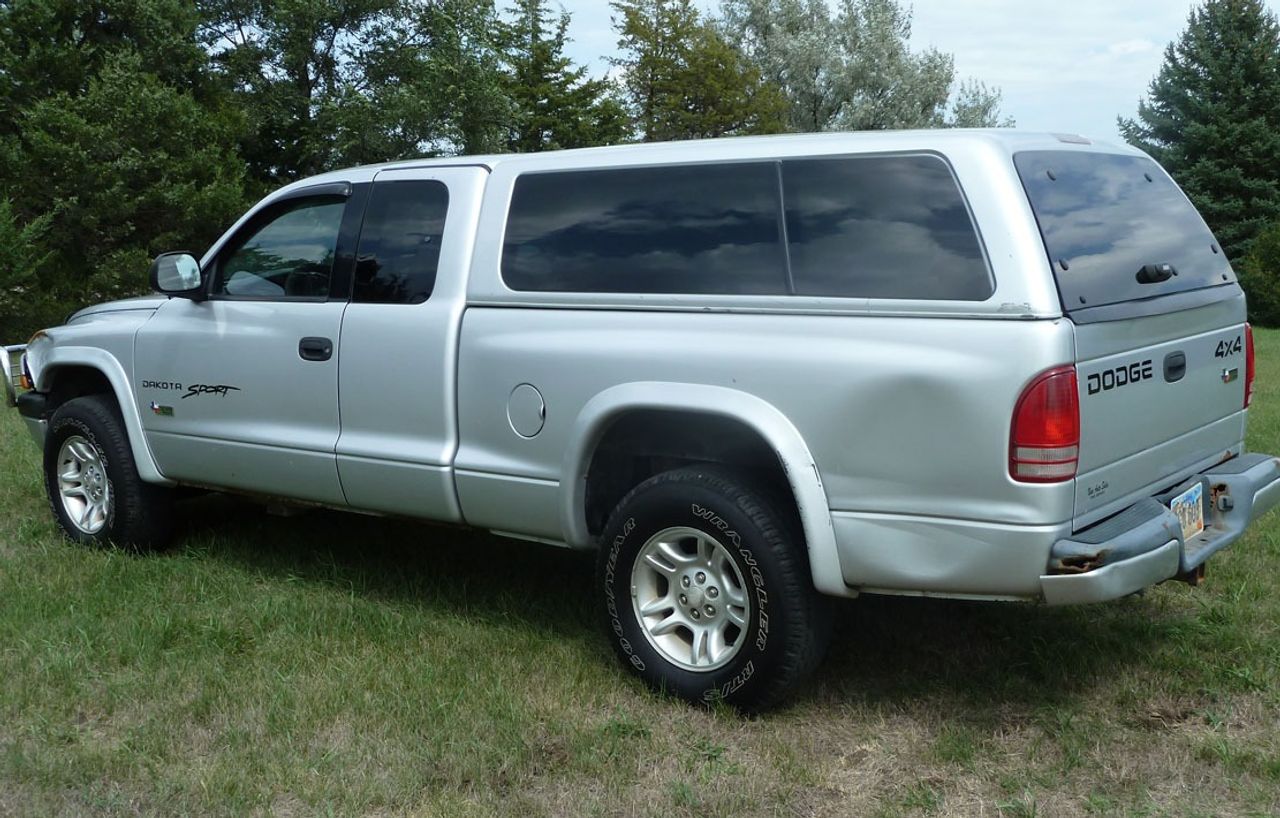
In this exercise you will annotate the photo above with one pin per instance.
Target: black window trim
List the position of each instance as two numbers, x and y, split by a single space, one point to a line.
342 277
622 298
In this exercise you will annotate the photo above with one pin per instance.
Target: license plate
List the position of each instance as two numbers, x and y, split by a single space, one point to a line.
1189 507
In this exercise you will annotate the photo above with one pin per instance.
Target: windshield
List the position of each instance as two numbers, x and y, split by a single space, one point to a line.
1117 228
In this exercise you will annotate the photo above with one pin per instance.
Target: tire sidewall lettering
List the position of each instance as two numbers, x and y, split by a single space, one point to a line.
611 595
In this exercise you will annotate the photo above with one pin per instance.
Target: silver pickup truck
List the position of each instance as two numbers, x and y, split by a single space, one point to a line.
753 374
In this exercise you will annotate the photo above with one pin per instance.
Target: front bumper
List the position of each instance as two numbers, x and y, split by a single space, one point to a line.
10 369
1143 545
32 406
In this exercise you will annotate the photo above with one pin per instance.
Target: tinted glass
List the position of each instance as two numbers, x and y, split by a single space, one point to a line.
400 242
881 227
290 256
688 229
1106 217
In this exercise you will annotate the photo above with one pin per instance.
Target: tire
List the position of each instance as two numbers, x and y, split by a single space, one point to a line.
767 628
92 481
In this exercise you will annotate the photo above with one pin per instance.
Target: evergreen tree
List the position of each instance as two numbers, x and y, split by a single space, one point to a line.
119 183
49 47
684 80
115 142
330 83
555 104
1212 118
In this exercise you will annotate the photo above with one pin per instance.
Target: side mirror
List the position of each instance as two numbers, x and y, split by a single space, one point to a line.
177 274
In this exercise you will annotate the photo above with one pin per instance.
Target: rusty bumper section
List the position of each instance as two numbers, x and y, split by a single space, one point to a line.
1143 545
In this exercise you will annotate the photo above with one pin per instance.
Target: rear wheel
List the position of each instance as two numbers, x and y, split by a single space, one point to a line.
93 485
707 591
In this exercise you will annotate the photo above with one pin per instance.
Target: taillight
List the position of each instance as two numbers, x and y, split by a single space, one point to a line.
1248 365
1044 446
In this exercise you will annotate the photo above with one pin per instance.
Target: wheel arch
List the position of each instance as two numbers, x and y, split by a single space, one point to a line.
96 368
760 417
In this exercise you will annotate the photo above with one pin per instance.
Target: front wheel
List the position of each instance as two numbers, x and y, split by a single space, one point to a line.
707 591
93 485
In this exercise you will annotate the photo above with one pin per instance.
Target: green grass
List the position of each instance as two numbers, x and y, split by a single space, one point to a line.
343 665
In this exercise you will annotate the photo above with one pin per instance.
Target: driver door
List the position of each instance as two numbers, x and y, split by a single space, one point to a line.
240 390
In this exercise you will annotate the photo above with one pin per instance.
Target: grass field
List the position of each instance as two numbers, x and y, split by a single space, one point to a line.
341 665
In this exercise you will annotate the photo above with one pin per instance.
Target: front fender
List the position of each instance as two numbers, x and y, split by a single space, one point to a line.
764 418
45 360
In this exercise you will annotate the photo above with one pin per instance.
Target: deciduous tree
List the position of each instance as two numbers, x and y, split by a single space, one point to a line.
855 70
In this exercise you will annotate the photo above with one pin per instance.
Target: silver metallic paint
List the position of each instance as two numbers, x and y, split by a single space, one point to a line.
397 374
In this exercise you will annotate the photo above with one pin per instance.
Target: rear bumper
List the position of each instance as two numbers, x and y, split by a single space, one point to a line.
1143 545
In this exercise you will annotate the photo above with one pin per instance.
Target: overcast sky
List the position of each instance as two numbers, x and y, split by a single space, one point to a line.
1062 65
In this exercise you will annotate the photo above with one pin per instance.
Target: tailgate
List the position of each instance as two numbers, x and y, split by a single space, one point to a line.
1154 411
1160 333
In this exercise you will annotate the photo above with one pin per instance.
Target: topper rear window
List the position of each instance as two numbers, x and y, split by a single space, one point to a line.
1117 228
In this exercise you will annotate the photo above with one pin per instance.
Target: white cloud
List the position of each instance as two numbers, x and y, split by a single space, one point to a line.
1134 46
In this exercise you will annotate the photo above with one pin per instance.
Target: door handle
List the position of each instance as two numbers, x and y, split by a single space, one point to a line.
315 349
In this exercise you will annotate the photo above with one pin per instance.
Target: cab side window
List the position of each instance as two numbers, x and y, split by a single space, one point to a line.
400 242
289 255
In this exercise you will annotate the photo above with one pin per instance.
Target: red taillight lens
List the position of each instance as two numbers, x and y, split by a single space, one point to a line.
1044 446
1248 365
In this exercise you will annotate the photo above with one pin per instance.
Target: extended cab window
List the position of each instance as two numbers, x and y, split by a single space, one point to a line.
682 229
400 242
881 227
1117 228
290 255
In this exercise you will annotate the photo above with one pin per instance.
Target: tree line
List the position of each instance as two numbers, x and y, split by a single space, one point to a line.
131 127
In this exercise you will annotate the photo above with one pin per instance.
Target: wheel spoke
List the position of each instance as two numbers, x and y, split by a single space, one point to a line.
736 614
673 552
658 563
72 473
656 606
667 625
706 549
735 595
86 515
83 452
698 650
717 644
